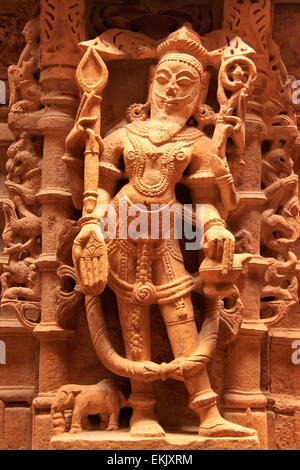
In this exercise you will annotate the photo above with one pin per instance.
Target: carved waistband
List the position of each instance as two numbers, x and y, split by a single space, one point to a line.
161 294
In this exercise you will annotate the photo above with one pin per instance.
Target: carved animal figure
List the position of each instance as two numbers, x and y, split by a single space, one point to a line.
21 272
27 228
102 398
277 164
23 175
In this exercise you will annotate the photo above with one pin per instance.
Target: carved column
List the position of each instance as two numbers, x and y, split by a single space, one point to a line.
251 22
17 384
244 364
62 24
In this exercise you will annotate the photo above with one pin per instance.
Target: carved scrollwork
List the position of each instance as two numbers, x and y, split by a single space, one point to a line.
280 292
51 26
49 18
22 232
231 317
253 17
118 44
280 229
68 293
66 298
28 313
280 219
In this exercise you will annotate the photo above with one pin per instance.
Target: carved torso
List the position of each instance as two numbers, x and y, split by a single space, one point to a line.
153 170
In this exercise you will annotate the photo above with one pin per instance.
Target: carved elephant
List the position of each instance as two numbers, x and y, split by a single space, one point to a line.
102 398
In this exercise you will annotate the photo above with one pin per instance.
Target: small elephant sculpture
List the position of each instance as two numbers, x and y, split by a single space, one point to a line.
102 398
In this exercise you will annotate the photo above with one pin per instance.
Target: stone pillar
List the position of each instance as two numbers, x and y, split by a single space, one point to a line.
244 402
243 357
59 58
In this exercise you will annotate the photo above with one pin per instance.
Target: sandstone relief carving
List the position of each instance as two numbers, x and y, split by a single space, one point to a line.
178 115
68 294
280 219
103 399
25 90
274 109
162 140
22 231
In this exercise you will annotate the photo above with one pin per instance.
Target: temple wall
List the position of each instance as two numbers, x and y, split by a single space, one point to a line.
42 322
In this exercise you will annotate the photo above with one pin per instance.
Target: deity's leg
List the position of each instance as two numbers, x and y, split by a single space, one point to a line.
135 325
183 337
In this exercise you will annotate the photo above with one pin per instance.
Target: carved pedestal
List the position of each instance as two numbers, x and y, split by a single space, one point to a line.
120 440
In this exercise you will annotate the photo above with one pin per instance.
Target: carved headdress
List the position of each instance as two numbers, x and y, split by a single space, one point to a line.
186 42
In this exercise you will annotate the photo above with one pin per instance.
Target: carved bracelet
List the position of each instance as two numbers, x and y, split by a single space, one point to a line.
214 222
88 219
224 180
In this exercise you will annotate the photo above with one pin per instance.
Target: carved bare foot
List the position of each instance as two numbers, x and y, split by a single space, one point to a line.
75 429
222 428
112 427
144 424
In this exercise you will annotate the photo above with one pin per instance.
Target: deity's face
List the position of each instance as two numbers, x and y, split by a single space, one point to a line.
176 87
175 95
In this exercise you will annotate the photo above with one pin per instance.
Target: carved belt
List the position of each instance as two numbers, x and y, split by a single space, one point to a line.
148 293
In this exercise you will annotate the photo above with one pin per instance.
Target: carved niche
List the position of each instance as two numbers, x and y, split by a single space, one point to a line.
215 281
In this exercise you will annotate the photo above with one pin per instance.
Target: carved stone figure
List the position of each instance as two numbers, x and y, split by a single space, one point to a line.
25 96
176 120
161 145
103 399
22 230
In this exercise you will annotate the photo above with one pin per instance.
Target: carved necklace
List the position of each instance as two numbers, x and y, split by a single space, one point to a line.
175 151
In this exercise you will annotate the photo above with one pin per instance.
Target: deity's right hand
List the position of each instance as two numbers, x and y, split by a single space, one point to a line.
90 259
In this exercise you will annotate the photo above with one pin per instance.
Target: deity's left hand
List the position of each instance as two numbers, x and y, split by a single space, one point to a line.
220 245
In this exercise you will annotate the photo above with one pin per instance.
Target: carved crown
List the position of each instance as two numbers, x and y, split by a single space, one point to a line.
184 40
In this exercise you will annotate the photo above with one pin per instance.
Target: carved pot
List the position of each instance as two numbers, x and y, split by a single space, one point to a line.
218 283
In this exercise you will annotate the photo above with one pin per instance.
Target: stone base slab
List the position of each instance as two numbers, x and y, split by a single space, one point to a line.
121 440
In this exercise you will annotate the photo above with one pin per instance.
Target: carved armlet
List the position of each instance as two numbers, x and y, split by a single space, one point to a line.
73 161
203 186
89 219
110 170
199 178
227 190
